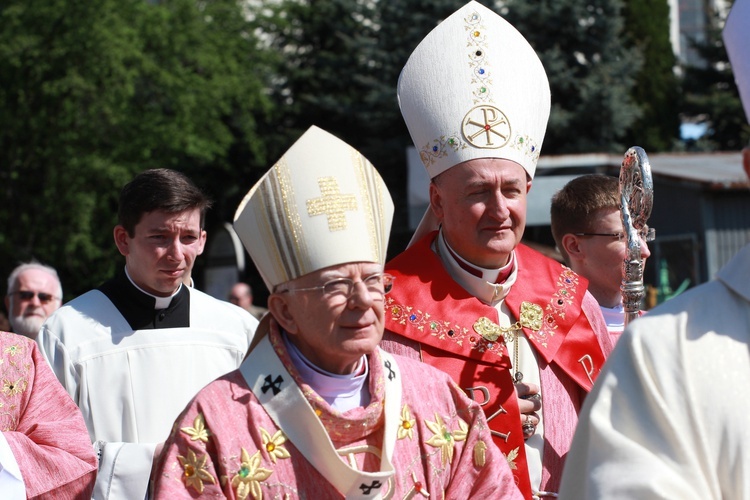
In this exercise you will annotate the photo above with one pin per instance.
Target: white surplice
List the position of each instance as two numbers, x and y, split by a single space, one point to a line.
668 415
131 385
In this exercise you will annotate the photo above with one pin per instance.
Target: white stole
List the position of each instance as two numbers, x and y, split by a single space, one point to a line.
285 403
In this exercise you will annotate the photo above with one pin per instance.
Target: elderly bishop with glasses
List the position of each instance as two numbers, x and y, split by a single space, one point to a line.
317 410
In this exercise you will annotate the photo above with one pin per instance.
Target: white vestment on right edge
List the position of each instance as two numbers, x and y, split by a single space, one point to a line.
668 415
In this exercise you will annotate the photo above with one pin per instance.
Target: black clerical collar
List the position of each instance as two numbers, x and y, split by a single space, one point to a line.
138 309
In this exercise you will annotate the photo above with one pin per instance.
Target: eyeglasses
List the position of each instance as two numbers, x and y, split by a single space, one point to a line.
647 234
342 288
43 297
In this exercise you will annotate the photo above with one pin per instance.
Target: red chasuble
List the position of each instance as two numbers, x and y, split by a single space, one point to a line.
458 334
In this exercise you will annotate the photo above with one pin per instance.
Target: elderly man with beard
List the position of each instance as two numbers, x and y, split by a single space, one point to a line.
34 293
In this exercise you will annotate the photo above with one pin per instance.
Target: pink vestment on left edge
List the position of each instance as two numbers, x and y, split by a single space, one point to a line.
42 425
225 445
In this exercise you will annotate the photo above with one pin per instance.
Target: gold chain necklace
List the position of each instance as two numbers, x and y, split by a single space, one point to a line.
530 318
491 332
517 375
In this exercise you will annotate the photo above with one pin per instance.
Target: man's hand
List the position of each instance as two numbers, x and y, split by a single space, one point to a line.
529 402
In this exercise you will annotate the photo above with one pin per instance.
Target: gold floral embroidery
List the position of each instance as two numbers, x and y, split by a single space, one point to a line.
444 439
11 388
274 444
15 373
12 350
480 457
440 147
463 430
248 478
511 458
406 429
195 471
199 431
484 335
440 329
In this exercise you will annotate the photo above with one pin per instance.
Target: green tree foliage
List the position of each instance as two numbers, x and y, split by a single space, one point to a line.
657 89
342 59
93 92
711 96
590 68
400 28
339 69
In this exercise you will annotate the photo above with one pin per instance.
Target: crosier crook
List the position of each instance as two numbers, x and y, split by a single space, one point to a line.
636 200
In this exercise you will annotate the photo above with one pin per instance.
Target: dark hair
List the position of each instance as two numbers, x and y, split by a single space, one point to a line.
159 189
575 205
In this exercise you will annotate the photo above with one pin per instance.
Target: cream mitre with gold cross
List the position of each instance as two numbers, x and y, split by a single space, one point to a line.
475 88
320 205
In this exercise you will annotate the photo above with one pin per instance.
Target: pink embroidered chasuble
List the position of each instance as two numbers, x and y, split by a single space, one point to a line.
42 425
225 445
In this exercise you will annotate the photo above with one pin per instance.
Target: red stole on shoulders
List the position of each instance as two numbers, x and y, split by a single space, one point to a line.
428 306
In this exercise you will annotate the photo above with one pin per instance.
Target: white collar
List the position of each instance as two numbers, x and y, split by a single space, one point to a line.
161 302
614 317
486 291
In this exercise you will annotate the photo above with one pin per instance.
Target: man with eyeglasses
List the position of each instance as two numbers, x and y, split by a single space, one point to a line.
34 293
317 410
587 228
132 352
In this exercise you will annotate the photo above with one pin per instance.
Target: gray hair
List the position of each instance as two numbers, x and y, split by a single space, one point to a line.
26 266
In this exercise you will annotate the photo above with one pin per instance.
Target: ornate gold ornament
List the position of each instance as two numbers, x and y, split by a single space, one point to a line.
486 127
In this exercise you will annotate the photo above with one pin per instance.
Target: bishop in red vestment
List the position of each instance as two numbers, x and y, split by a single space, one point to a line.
516 330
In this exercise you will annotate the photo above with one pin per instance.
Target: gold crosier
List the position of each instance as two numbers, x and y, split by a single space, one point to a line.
530 317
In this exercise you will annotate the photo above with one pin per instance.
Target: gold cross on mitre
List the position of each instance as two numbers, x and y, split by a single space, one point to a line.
333 204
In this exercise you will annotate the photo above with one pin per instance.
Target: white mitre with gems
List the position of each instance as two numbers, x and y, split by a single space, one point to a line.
475 88
737 42
320 205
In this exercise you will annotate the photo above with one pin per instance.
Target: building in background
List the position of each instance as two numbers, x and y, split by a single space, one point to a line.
701 210
689 21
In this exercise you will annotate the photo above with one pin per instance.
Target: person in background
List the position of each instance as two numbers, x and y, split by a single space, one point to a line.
515 329
132 352
317 410
34 292
45 450
241 295
667 417
587 228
